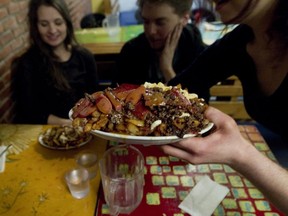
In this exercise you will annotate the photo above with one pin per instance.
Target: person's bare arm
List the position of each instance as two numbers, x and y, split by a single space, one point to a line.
55 120
226 145
266 175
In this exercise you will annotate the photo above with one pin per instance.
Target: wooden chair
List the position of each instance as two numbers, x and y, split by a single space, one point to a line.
227 96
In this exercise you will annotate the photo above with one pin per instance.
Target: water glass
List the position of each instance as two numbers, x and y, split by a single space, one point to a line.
122 175
88 160
78 182
112 24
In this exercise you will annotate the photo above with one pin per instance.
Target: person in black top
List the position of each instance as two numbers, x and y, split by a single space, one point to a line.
55 72
257 52
142 57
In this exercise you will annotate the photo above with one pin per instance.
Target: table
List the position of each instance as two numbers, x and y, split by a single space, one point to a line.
99 42
33 180
168 180
211 31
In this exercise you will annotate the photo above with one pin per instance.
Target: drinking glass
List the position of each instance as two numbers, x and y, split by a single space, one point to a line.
112 24
88 160
78 182
122 175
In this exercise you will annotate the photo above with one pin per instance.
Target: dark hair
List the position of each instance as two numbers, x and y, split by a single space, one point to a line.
279 25
45 50
92 20
278 29
180 6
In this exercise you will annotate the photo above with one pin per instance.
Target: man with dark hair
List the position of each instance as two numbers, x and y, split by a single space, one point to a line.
166 25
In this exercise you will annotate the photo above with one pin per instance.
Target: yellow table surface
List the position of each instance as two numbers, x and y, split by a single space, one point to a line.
100 35
98 41
33 180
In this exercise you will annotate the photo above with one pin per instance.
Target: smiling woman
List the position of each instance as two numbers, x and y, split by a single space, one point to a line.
55 71
53 30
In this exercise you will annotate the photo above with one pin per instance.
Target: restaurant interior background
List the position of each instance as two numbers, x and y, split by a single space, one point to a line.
14 37
14 40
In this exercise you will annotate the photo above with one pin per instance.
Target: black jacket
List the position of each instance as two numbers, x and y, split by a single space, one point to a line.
35 92
227 57
138 63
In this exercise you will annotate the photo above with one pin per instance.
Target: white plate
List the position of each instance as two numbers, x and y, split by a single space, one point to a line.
40 139
145 140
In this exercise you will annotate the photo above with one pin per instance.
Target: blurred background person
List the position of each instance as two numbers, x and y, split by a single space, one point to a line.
166 22
54 72
256 51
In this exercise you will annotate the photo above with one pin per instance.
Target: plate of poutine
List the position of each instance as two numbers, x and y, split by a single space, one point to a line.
142 114
146 140
63 138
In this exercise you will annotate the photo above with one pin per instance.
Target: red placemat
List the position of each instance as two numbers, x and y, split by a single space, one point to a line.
168 180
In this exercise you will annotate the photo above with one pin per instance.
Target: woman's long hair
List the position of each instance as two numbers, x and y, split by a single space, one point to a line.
279 25
278 30
46 51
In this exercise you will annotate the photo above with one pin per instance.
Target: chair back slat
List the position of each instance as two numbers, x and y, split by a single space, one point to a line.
227 96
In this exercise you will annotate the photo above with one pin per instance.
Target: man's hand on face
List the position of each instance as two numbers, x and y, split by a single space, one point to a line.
167 54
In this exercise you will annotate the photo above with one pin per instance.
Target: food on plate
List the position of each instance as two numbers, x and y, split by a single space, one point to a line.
142 110
64 136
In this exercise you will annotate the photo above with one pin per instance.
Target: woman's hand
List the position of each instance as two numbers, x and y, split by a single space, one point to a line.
166 56
223 145
226 145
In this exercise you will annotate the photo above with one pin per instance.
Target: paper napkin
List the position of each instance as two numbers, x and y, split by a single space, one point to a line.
2 159
204 198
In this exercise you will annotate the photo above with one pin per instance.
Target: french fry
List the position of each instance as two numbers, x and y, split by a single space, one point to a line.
133 129
120 127
137 122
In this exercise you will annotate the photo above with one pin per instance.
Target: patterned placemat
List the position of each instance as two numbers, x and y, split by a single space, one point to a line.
19 136
168 180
